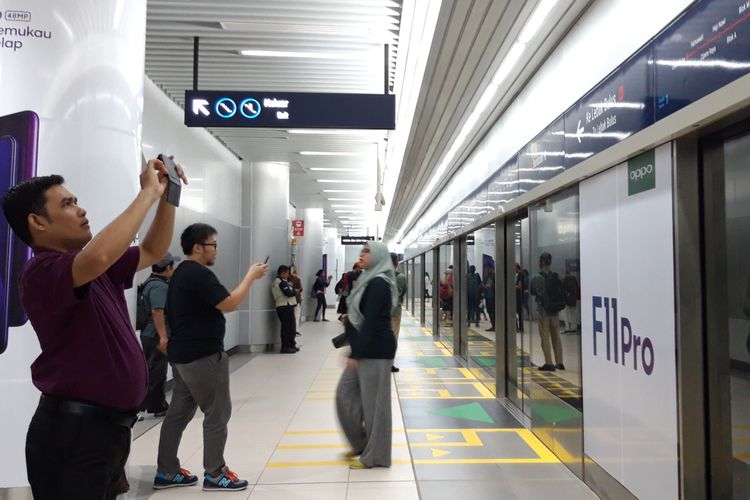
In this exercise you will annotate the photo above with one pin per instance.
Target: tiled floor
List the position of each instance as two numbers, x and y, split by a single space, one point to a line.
451 437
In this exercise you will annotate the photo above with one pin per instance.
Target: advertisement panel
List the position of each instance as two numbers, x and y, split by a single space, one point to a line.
72 85
628 324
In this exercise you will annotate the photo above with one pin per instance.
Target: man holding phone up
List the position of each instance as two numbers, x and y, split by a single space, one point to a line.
196 303
91 371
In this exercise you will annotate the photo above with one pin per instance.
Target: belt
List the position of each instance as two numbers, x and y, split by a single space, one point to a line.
123 418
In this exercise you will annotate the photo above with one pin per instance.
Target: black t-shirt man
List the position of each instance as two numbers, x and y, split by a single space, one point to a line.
196 326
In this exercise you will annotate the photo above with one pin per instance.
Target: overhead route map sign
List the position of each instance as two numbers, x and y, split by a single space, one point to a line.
208 108
617 108
701 52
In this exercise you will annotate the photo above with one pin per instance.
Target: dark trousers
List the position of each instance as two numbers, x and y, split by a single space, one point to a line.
473 310
322 304
519 312
155 401
75 457
491 310
288 328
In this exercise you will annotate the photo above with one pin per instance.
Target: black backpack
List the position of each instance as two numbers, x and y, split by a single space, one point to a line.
553 296
142 314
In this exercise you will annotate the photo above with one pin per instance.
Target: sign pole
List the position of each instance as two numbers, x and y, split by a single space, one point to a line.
196 45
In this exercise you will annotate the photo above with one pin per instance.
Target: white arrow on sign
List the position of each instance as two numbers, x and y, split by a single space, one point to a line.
579 131
200 106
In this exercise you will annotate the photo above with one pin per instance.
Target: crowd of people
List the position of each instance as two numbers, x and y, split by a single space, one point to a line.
95 376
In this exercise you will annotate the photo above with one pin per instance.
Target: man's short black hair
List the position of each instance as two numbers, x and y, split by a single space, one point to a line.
282 269
26 198
194 234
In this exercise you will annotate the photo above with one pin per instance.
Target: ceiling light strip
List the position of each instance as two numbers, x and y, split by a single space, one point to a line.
509 62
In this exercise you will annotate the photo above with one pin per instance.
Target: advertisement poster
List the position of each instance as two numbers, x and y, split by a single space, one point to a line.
71 87
628 321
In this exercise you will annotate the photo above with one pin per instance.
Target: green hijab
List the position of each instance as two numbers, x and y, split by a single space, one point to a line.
381 266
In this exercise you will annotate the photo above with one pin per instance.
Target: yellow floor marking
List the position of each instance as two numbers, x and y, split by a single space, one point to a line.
467 373
275 465
434 437
439 453
319 432
325 446
470 461
536 445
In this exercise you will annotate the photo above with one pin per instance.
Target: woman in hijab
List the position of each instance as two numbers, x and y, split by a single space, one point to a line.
363 396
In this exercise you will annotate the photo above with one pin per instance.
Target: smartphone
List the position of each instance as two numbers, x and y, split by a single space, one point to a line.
267 257
19 134
174 186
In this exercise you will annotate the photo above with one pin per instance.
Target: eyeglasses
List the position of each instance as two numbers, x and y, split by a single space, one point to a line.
215 245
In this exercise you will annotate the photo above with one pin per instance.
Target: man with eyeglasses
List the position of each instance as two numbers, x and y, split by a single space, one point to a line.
196 303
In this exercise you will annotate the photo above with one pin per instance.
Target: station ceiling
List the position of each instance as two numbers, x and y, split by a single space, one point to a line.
338 46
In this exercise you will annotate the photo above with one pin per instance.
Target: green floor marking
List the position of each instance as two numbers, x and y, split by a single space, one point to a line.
471 411
554 413
484 361
432 361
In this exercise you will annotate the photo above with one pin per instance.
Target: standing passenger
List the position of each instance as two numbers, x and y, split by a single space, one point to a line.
155 335
320 293
297 285
401 285
363 396
91 371
285 299
550 300
196 304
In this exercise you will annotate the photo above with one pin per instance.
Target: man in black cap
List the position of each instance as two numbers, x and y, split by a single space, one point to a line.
155 335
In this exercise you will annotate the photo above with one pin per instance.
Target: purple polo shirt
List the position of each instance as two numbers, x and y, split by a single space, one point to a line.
89 349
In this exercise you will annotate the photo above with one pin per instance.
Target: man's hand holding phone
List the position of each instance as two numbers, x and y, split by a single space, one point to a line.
257 271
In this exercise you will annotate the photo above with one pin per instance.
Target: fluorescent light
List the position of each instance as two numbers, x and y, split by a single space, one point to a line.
339 181
347 206
301 55
347 211
344 191
536 20
510 60
344 199
330 153
326 169
330 132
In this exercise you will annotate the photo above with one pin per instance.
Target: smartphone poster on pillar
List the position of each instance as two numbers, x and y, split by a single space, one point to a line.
628 343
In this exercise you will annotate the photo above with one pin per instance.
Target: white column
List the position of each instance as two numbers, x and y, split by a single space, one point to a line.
265 233
83 77
310 255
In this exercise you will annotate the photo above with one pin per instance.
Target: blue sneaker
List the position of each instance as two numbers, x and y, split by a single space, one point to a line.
226 481
182 478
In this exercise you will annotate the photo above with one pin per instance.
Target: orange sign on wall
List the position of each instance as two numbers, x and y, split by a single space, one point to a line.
298 228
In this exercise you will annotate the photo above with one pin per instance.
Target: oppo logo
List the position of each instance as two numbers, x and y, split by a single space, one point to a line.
640 173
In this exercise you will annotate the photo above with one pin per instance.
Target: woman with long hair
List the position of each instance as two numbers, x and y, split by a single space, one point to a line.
363 396
319 288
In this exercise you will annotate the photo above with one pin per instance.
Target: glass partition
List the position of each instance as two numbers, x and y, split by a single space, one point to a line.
429 291
480 289
445 296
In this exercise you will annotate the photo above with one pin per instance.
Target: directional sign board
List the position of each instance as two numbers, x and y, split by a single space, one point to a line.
701 52
543 158
616 109
356 240
289 110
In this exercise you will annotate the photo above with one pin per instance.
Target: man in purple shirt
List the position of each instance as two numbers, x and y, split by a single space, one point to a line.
91 372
